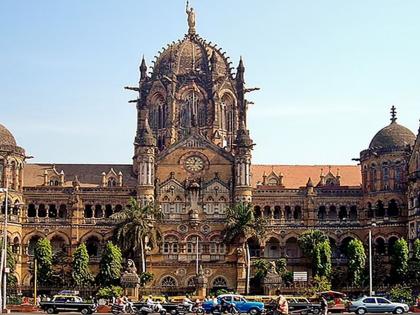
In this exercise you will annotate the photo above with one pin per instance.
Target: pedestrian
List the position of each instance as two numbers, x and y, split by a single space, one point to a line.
324 306
282 305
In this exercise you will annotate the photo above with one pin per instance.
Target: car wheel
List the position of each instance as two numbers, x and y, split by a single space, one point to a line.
253 311
50 310
84 311
315 311
398 310
174 312
361 311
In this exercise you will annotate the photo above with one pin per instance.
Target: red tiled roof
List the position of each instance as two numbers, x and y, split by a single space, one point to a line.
295 176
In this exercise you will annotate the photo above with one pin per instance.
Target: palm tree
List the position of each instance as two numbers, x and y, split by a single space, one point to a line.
137 230
242 225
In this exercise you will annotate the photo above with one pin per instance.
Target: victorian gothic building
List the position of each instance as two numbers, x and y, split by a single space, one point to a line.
192 157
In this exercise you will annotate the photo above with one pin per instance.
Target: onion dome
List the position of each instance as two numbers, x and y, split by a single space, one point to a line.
393 136
6 137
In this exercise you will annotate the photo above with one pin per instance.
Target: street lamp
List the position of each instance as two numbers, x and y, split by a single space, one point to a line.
3 263
370 260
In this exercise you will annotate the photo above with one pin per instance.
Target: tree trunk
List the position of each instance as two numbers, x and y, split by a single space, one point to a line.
143 260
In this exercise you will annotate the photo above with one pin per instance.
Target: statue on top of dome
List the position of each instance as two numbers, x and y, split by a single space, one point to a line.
191 19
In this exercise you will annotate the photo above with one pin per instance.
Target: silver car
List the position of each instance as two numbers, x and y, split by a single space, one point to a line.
374 304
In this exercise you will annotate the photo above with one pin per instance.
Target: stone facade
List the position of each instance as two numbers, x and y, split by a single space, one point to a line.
192 156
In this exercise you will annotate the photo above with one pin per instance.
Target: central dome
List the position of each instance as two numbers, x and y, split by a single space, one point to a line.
393 135
6 137
191 55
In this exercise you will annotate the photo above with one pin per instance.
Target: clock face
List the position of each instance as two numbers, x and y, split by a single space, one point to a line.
194 164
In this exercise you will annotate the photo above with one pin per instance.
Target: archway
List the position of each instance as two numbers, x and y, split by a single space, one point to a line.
393 210
254 247
272 248
380 247
292 249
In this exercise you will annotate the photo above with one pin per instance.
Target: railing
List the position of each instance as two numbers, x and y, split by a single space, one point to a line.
45 220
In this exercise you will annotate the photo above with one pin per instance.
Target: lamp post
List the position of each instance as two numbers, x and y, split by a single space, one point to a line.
370 260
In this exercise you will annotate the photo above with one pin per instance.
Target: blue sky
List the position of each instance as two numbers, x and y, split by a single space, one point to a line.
328 71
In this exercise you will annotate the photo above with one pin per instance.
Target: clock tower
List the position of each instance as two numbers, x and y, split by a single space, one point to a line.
192 154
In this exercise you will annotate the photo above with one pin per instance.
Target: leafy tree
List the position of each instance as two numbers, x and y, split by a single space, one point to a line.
316 245
81 274
402 294
137 229
318 284
399 260
356 261
414 264
281 266
146 277
109 292
110 265
378 270
44 256
241 224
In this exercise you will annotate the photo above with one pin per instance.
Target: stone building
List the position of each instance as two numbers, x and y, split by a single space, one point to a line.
192 156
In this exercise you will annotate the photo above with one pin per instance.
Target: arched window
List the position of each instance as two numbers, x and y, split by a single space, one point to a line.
272 248
385 176
88 213
220 283
332 214
288 211
254 247
42 212
99 213
112 182
297 213
380 246
62 211
292 249
353 213
31 210
393 210
170 245
391 243
277 212
192 245
108 211
32 244
93 246
322 213
58 244
118 208
380 209
52 211
267 212
16 245
168 281
370 212
342 214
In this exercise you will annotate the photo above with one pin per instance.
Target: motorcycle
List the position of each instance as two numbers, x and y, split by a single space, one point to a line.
182 309
229 308
153 308
119 309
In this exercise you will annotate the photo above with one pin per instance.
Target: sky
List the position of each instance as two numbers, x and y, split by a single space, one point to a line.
328 70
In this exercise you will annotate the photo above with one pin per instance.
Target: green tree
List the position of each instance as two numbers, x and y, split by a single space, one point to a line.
110 265
145 278
401 293
356 261
137 229
316 245
318 284
414 264
81 274
44 256
399 260
11 264
240 226
109 292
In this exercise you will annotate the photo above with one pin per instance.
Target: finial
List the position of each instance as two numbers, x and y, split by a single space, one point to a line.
393 114
143 68
190 18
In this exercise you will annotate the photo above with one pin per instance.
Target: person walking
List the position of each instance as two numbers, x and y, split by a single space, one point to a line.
324 306
282 305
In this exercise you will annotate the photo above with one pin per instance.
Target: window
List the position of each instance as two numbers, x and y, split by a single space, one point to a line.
369 301
382 301
168 281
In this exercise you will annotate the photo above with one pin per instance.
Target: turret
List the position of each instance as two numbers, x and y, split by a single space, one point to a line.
144 159
243 148
143 70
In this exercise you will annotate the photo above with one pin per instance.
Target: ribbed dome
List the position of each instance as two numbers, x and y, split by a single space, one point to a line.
6 137
191 54
393 135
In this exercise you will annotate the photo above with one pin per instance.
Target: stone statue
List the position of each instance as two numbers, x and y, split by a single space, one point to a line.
273 269
131 267
191 19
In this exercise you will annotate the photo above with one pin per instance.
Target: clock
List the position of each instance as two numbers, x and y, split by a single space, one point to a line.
194 164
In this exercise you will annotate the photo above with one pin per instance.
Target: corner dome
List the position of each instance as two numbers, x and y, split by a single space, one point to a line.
6 137
393 135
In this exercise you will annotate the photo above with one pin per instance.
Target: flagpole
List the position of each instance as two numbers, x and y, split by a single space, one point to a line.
196 258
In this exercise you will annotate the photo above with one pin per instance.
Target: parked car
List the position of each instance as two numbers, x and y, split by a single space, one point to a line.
374 304
240 303
67 303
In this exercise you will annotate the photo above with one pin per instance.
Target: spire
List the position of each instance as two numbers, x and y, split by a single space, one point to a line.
145 135
393 114
143 69
240 71
309 183
190 19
